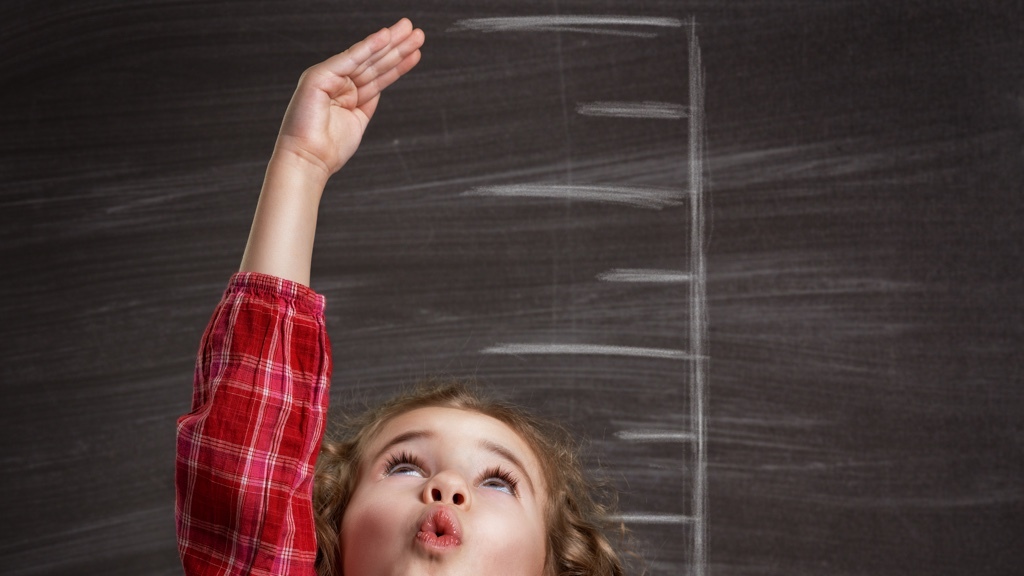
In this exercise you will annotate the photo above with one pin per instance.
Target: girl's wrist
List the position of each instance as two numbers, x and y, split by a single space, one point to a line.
298 170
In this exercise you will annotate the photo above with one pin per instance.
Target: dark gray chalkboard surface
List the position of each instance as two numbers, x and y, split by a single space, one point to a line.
522 211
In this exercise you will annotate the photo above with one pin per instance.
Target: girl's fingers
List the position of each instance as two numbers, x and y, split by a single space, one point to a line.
363 54
387 61
373 88
401 35
347 62
370 65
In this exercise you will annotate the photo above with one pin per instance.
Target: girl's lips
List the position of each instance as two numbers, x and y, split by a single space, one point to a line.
440 530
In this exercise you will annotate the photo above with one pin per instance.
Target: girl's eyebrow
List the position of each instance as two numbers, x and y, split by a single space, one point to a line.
404 437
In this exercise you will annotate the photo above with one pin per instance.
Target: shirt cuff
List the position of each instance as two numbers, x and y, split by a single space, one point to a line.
267 286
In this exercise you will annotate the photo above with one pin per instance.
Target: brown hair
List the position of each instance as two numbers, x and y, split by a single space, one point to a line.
576 545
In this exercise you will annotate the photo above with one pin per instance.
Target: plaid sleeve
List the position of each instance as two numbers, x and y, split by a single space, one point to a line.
246 451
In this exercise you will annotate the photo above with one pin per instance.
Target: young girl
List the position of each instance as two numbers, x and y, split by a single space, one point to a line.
440 481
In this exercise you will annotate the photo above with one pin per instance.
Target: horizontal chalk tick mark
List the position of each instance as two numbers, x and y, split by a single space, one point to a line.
640 197
610 25
654 436
644 275
651 518
649 110
587 349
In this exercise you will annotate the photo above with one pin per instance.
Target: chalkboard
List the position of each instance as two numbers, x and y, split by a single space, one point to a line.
764 257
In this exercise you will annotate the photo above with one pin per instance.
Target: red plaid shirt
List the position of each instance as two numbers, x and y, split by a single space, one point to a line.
246 451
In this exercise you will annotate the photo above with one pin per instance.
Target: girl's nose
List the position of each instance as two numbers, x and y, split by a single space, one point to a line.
447 488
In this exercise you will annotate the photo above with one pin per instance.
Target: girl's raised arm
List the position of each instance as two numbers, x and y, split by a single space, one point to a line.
247 448
322 128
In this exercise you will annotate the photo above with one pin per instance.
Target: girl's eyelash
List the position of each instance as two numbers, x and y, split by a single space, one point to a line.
504 475
400 458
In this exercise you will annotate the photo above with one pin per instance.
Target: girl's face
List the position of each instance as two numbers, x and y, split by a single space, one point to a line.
446 491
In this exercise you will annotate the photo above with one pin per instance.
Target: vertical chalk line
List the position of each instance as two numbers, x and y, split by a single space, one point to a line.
698 306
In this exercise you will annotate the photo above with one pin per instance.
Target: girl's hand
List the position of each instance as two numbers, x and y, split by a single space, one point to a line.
321 130
336 98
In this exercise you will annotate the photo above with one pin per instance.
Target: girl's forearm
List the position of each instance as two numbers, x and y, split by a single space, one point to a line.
283 228
321 130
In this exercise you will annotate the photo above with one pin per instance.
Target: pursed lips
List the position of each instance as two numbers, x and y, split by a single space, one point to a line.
440 529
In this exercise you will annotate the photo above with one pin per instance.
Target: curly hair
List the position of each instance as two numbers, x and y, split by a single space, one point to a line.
576 544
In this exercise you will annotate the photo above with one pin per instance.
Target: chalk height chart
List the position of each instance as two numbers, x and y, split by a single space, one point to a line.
645 315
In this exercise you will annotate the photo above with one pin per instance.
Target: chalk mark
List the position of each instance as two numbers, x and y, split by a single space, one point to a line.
648 110
607 25
650 518
654 436
640 197
698 305
644 275
587 349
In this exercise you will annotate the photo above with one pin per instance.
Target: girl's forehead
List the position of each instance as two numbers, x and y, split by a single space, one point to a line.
451 425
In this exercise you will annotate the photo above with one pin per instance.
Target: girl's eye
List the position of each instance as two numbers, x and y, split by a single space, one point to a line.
403 464
500 480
